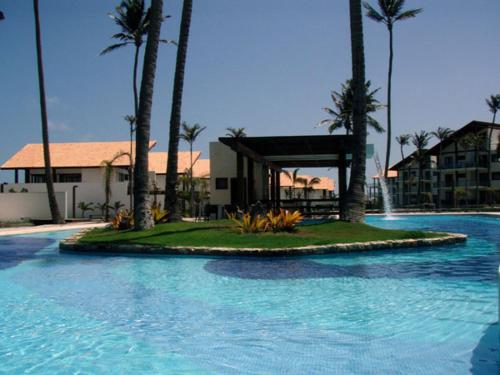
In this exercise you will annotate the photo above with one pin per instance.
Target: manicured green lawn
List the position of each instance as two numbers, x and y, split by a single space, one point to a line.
223 234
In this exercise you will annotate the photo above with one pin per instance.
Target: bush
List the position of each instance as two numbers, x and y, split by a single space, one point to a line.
159 216
123 220
285 221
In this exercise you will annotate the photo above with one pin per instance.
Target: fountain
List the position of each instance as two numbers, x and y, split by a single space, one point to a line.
385 192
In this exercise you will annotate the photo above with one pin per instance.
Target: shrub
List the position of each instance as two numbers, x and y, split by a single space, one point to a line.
123 220
159 216
249 224
285 221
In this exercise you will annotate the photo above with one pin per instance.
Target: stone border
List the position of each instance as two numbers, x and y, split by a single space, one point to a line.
71 244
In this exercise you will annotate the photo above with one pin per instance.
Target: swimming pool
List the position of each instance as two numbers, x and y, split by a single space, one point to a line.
429 311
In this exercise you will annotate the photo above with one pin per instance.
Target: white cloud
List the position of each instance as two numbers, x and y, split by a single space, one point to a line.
58 126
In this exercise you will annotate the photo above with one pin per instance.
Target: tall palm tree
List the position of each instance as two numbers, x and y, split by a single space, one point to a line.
107 166
190 134
493 103
133 18
342 114
441 134
54 209
355 205
294 178
390 12
236 132
142 214
308 185
131 120
403 140
420 141
175 113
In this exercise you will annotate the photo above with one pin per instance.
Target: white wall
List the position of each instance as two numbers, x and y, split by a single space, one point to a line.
21 206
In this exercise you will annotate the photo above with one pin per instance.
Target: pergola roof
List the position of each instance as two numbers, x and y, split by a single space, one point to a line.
294 151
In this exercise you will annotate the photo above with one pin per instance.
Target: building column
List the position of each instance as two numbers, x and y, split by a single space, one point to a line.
240 181
16 176
273 189
26 176
250 182
342 182
278 189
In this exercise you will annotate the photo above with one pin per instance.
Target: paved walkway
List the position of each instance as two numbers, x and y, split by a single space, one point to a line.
49 228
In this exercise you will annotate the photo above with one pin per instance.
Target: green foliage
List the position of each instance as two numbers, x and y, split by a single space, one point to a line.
123 220
24 190
12 190
284 221
84 207
159 216
249 224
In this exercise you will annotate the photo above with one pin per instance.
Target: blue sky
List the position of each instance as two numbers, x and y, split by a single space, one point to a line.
265 65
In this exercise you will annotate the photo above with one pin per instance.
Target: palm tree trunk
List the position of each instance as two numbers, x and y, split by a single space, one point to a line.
191 186
142 214
389 86
54 209
175 115
136 99
130 169
355 205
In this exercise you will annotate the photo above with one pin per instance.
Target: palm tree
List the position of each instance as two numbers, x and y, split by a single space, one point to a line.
236 132
420 141
108 170
102 207
84 207
189 134
342 114
441 134
117 205
391 11
308 185
175 114
403 140
142 214
131 122
54 209
493 103
355 206
294 178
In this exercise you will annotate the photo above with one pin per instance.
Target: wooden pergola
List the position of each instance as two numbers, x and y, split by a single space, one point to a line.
276 153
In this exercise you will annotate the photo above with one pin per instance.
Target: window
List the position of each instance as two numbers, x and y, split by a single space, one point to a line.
221 183
69 177
37 178
122 177
495 176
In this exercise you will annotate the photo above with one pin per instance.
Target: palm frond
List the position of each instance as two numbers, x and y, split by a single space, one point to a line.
408 14
169 41
113 47
372 13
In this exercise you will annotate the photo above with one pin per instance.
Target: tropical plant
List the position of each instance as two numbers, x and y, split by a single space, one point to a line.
390 12
12 190
353 209
175 113
84 207
142 214
308 185
420 141
159 216
190 134
403 140
236 132
493 103
441 134
102 207
249 224
123 220
285 221
108 172
54 209
342 114
294 178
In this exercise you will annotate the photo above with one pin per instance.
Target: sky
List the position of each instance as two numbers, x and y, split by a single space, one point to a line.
268 66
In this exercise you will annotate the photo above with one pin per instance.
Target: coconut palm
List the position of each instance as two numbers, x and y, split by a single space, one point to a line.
441 134
102 207
390 12
142 214
131 120
54 209
117 205
342 114
236 132
493 103
355 206
403 140
175 113
294 178
108 172
84 207
190 134
308 185
420 141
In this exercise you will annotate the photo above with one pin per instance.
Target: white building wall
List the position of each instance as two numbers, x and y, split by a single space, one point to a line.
25 206
222 165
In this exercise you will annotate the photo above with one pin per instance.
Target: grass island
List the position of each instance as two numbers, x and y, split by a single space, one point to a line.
219 237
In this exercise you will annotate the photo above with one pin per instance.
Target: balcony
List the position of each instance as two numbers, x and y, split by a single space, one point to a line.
461 164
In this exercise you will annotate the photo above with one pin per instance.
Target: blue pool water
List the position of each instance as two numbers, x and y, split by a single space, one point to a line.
430 311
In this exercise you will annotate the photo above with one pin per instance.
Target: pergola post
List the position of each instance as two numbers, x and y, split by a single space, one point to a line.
26 176
240 181
273 189
278 189
342 181
250 181
16 176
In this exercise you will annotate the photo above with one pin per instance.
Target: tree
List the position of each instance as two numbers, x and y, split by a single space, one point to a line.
84 207
355 205
420 141
390 12
342 114
493 103
441 134
190 134
308 185
131 122
294 178
54 209
403 140
108 170
102 207
236 132
142 214
175 114
133 19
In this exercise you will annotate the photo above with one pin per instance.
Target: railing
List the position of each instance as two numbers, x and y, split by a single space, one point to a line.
465 164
